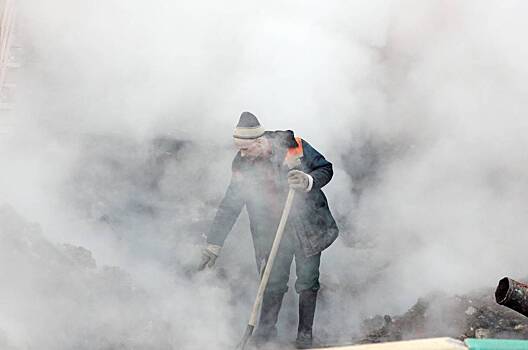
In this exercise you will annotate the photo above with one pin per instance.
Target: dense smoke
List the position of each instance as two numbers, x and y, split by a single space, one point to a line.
119 150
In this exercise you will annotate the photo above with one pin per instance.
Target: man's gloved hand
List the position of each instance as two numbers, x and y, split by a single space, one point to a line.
300 181
209 255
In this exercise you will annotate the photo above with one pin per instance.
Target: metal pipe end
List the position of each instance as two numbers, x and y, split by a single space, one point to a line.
502 293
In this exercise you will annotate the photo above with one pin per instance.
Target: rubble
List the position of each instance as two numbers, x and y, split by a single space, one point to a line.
461 316
79 256
56 294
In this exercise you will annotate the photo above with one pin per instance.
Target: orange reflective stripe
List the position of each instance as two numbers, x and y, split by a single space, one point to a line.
295 151
294 155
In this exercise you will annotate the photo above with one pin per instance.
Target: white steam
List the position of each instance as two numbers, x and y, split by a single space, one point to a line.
419 105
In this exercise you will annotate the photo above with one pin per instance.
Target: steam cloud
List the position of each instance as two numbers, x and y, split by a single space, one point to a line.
120 143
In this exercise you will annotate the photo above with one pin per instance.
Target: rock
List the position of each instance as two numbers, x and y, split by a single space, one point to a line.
482 333
80 256
470 311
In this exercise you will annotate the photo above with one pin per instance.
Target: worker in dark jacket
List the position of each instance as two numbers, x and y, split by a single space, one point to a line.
268 162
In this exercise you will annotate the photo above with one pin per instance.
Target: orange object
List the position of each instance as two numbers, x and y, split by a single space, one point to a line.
296 151
294 154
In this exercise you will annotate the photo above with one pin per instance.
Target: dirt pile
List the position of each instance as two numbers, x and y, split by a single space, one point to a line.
55 296
462 316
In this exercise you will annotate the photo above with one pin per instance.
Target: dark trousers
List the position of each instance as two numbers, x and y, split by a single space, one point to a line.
306 268
307 283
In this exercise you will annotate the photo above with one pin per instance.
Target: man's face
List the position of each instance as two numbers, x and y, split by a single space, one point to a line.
252 149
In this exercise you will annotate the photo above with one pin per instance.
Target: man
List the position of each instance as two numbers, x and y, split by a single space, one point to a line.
266 164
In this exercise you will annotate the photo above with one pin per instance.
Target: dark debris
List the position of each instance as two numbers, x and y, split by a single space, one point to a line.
460 317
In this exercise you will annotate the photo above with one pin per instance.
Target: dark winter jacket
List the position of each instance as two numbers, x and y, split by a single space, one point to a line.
261 185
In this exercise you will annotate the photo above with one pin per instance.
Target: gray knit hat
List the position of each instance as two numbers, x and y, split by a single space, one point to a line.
248 127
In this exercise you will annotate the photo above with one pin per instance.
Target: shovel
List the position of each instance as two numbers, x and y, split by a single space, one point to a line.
267 271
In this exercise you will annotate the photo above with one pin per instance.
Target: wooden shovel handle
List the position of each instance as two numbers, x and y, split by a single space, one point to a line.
271 258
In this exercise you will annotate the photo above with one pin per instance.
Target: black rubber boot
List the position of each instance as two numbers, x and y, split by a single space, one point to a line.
269 314
307 301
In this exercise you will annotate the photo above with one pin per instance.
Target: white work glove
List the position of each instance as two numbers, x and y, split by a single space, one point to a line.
300 181
209 256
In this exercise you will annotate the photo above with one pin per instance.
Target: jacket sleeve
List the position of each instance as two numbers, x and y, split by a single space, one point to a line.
317 166
228 212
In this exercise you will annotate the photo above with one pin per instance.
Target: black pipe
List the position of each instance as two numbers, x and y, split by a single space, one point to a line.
513 295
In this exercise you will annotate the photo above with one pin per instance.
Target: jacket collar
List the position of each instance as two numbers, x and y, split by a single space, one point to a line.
282 139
